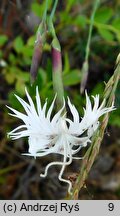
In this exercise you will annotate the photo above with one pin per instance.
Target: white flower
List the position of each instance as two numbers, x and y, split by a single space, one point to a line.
57 134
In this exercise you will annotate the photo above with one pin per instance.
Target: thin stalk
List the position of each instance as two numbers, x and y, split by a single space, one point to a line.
91 29
85 67
109 95
45 12
53 10
50 21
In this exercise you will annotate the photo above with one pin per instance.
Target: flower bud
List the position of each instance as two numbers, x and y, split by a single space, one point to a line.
57 71
56 56
38 49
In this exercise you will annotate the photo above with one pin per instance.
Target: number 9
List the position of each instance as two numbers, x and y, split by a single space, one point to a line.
110 206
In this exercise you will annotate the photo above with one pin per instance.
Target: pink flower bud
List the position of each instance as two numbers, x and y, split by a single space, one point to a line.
38 49
57 71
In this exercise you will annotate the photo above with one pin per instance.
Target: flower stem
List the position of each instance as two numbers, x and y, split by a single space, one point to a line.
85 67
109 95
91 29
45 11
53 10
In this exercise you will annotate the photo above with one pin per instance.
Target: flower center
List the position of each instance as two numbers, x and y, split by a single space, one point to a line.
63 126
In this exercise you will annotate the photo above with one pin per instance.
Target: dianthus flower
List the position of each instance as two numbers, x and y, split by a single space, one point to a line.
48 133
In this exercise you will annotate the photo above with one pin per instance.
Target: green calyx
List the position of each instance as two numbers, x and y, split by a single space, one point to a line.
42 31
56 44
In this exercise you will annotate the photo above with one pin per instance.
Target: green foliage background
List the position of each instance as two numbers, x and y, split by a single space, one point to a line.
72 20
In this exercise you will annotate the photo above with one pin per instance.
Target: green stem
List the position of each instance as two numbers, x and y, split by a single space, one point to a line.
45 12
50 21
53 10
85 67
90 29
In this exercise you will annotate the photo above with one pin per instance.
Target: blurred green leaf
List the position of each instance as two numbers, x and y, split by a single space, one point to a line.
26 61
22 76
106 34
10 78
31 41
66 64
66 18
27 51
12 58
20 87
43 76
38 8
18 44
49 70
116 23
47 47
80 20
3 179
98 89
10 74
69 5
103 15
115 118
3 39
72 78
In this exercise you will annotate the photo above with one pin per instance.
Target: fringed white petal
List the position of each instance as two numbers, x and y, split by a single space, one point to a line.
38 101
73 111
57 134
51 108
57 116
